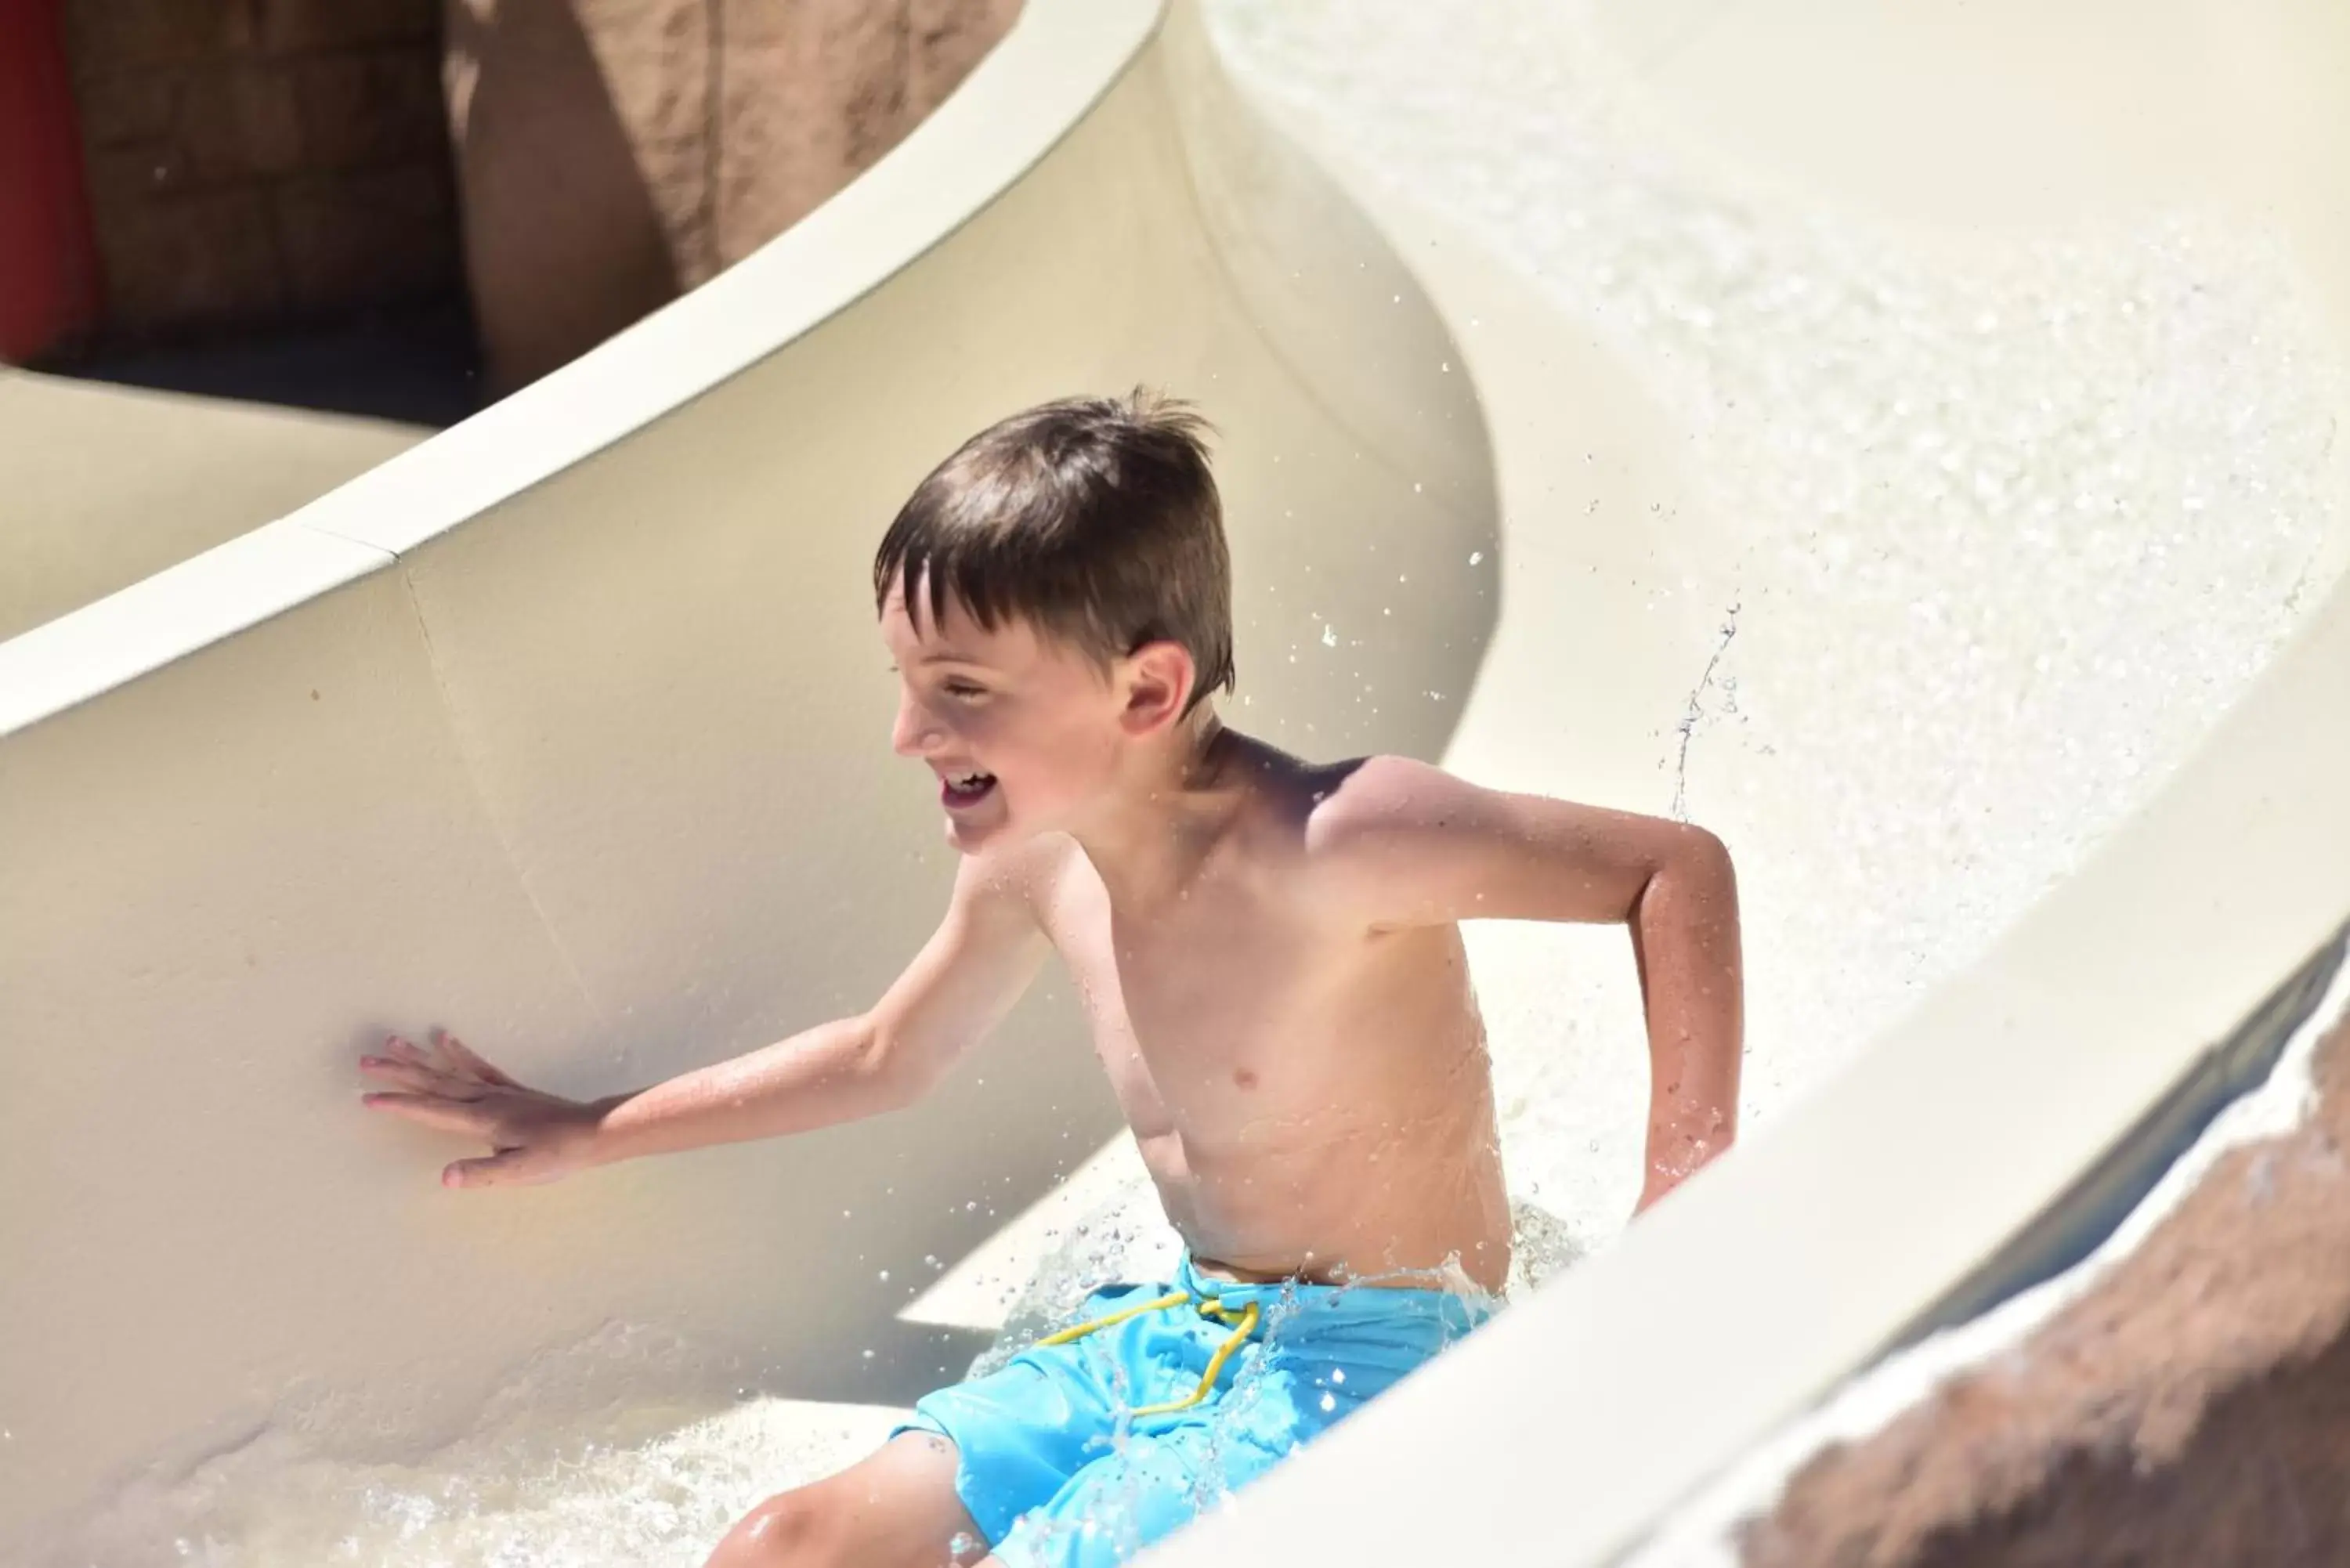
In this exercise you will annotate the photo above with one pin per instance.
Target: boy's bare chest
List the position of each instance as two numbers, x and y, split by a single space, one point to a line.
1189 1009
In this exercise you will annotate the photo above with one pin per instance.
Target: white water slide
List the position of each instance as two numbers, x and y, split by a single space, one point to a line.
1905 440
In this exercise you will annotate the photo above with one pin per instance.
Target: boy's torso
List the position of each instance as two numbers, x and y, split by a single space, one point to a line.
1311 1097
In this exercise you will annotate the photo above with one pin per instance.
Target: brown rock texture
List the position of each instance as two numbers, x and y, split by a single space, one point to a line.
613 153
2192 1409
227 142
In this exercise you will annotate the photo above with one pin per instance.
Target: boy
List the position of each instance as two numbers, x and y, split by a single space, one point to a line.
1270 958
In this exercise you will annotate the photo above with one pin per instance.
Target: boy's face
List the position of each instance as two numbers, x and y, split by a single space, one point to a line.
1021 730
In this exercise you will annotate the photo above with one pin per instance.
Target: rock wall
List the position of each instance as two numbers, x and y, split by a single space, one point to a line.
613 153
253 161
2192 1411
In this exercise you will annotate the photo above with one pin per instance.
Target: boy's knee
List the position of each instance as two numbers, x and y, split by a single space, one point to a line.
790 1530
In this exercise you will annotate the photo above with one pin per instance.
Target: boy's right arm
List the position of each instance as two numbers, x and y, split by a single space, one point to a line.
958 988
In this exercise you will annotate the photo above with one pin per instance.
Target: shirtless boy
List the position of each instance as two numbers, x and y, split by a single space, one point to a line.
1273 969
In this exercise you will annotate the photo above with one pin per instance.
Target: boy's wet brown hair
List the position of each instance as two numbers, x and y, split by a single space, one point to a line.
1094 518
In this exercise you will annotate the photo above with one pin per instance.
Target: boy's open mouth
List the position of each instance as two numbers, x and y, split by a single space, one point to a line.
965 787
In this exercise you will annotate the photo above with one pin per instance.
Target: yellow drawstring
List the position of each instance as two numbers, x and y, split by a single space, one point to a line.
1079 1331
1247 1318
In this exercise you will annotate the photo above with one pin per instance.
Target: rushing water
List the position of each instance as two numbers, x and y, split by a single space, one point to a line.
2036 516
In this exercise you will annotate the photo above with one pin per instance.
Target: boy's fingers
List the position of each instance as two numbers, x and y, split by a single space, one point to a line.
402 1051
465 1056
422 1080
432 1110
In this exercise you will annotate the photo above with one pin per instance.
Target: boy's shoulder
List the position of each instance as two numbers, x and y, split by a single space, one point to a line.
1327 814
1333 806
1354 842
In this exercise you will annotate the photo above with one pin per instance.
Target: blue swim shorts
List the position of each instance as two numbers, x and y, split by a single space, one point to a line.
1097 1440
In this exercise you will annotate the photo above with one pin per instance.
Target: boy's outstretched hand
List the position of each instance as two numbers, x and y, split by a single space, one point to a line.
533 1137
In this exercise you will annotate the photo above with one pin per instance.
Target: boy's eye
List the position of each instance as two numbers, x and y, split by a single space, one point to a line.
962 689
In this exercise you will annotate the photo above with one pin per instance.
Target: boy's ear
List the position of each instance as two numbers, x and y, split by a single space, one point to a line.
1159 680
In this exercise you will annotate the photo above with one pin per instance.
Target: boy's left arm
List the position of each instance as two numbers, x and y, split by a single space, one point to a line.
1409 845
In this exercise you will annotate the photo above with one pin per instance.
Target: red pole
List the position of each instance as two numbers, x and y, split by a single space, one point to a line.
49 266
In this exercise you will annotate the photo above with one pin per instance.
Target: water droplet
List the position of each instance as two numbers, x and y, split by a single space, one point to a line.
1329 1401
1475 556
1329 636
1338 1375
884 1276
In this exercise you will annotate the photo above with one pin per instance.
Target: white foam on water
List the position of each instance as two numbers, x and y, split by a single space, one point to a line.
648 1491
2014 529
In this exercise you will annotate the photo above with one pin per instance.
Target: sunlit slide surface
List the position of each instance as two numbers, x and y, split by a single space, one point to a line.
1882 440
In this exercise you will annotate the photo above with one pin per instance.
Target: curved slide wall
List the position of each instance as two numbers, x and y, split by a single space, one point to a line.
566 729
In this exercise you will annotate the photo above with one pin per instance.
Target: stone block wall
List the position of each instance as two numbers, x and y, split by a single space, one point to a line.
258 161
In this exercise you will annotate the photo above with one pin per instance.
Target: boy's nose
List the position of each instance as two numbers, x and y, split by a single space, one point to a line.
914 732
